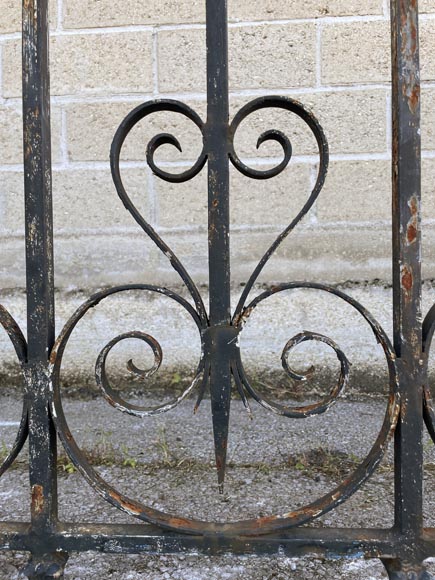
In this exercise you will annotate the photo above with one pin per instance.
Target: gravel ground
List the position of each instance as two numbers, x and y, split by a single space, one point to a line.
167 462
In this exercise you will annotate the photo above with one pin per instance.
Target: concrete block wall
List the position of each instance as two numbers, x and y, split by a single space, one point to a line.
107 57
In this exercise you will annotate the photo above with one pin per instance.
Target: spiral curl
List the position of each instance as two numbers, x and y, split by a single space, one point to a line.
261 525
428 404
322 406
131 120
298 109
118 402
20 345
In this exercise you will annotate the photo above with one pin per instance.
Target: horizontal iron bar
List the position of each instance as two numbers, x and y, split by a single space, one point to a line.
144 538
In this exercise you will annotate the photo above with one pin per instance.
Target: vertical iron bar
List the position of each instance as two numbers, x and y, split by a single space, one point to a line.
218 163
39 260
219 215
407 262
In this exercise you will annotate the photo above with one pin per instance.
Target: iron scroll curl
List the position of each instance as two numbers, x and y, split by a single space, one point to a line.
296 108
259 526
19 343
198 312
100 367
131 120
428 331
222 366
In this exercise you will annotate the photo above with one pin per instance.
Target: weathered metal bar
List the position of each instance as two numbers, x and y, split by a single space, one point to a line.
407 263
217 145
39 261
147 539
216 135
407 544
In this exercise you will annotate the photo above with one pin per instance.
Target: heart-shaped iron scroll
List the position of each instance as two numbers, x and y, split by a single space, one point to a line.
227 336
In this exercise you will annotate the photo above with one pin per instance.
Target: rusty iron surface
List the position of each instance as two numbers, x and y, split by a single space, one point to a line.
220 369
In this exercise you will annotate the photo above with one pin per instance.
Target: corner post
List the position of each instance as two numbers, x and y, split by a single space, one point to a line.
406 181
40 283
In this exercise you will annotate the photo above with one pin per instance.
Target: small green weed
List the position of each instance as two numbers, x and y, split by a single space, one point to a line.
103 453
332 463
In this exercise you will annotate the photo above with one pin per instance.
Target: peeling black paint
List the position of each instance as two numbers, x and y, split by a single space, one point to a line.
401 549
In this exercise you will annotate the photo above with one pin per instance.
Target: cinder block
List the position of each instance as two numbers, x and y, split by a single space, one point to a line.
10 17
259 57
83 200
11 135
135 12
182 205
283 9
181 60
12 263
11 14
255 124
105 13
354 122
428 189
192 250
91 128
428 252
355 52
356 191
428 119
271 202
426 6
89 63
93 261
427 39
270 56
87 200
331 255
11 203
360 191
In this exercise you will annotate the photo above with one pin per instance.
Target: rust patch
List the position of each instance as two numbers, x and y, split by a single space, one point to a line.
409 56
411 233
178 522
414 99
130 506
407 279
412 229
37 499
53 357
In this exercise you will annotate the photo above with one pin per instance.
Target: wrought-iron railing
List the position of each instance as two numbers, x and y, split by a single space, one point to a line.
403 547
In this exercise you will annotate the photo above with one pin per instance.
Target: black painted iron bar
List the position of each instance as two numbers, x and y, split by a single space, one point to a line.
217 131
133 538
407 262
402 548
217 145
39 260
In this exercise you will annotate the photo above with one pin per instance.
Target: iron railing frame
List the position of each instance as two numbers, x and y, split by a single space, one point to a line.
401 548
